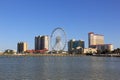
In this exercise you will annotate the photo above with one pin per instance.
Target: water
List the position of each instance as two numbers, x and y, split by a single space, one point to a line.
59 68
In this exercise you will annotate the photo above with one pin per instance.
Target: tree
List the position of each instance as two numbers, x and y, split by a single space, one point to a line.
99 51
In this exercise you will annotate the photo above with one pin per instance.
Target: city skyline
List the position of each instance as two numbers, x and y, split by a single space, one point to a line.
22 20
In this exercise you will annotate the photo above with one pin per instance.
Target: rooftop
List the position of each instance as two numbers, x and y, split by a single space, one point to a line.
95 34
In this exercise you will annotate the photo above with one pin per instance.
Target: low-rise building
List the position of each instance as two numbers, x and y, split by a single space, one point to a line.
9 51
90 50
103 47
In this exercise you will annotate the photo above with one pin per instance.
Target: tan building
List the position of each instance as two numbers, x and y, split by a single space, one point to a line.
42 42
90 50
95 39
22 47
103 47
45 42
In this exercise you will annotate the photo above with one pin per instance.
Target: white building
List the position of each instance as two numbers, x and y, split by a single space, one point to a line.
90 50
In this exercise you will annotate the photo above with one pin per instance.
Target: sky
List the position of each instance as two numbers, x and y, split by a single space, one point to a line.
22 20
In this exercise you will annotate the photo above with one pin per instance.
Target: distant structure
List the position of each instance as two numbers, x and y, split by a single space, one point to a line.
76 46
41 42
22 47
9 51
97 41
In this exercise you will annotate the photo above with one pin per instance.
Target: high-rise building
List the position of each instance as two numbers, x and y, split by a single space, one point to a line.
42 42
22 47
70 45
76 46
38 43
95 39
45 42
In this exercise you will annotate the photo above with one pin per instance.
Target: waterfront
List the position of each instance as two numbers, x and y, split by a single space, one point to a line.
59 68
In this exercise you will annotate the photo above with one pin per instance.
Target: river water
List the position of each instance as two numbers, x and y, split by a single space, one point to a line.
59 68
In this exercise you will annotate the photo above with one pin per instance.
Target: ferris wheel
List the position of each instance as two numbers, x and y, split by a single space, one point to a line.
58 39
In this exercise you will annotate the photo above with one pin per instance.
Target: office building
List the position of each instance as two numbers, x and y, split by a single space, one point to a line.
41 42
22 47
75 46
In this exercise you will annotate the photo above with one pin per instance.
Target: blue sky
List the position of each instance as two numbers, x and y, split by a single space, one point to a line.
22 20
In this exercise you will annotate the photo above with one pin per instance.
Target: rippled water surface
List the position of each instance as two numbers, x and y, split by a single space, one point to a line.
59 68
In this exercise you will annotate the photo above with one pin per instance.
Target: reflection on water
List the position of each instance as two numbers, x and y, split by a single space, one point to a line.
59 68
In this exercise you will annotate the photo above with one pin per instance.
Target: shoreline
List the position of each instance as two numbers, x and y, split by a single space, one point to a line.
107 55
62 55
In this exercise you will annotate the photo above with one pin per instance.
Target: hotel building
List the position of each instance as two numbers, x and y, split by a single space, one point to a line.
22 47
41 42
97 41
